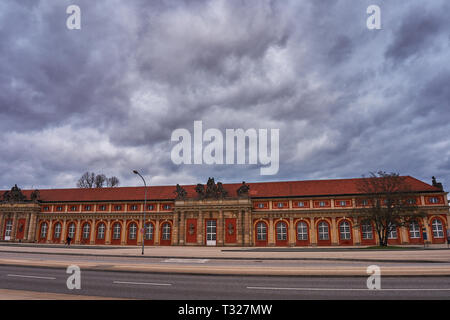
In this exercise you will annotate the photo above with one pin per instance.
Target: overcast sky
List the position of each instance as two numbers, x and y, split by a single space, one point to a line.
347 100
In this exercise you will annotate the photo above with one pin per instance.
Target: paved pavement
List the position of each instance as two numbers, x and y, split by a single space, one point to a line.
433 261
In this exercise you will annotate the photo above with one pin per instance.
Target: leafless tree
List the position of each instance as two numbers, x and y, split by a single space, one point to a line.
100 181
388 203
87 180
92 180
112 182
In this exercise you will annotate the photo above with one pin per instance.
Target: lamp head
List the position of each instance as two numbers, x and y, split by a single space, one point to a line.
135 172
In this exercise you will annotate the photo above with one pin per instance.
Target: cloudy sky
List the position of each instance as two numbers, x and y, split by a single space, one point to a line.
347 100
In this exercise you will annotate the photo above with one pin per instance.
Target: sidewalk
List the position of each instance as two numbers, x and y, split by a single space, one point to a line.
6 294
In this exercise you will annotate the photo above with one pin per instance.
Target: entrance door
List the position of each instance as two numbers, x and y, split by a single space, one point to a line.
211 232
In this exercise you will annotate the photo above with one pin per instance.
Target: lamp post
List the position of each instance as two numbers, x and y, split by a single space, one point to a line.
145 208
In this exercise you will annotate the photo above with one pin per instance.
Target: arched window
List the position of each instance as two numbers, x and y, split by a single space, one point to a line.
261 231
302 231
86 231
414 230
72 228
323 231
116 231
101 231
57 231
166 231
281 231
132 229
44 228
344 230
393 233
367 231
438 231
149 230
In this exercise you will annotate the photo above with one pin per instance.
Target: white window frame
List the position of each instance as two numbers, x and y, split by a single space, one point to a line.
281 231
71 230
261 231
414 230
117 229
166 231
149 231
324 231
302 231
57 231
44 230
438 228
345 230
101 231
86 231
367 231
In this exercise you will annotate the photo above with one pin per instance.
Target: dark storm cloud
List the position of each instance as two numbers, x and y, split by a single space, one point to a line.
347 100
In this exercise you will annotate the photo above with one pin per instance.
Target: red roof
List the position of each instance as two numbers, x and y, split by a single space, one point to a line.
257 190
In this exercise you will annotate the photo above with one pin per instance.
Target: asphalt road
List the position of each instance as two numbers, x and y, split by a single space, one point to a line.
134 285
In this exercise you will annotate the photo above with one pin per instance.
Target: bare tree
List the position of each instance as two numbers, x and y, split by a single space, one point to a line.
91 180
100 181
86 180
389 203
112 182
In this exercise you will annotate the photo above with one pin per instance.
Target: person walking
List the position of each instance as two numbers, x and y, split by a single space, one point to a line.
68 240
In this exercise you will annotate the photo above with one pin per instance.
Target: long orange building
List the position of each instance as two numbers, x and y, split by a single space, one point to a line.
290 213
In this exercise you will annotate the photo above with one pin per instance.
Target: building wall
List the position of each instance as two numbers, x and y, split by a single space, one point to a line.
237 222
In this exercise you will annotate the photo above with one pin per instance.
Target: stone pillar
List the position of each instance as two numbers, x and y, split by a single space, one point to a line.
239 226
271 233
200 228
63 231
176 228
78 232
2 226
220 229
313 232
246 228
429 231
14 227
108 232
404 239
182 229
334 232
49 231
291 235
123 235
157 232
356 233
93 231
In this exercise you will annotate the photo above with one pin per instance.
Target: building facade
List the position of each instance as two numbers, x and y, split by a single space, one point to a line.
292 213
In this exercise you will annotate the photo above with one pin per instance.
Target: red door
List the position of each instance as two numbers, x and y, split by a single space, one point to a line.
345 233
230 230
165 234
191 231
281 233
132 233
20 229
261 234
302 238
149 233
100 233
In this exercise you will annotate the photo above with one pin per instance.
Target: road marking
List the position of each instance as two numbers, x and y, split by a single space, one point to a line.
348 289
143 283
33 277
174 260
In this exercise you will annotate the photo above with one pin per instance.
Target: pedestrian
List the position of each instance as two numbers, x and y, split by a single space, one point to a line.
68 240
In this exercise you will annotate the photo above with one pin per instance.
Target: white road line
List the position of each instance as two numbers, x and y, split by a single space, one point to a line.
143 283
348 289
33 277
176 260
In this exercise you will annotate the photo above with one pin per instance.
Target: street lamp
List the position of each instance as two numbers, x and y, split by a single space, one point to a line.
145 208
